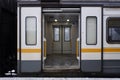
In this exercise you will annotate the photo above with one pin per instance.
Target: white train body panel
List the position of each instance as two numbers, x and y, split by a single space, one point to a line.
91 11
30 53
110 55
91 53
27 12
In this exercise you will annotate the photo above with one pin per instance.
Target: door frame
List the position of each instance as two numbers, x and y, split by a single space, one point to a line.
43 34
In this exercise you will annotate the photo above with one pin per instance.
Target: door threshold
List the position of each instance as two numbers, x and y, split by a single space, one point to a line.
61 69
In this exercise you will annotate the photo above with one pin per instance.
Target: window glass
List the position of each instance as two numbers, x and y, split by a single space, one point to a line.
114 30
56 33
91 31
31 31
67 34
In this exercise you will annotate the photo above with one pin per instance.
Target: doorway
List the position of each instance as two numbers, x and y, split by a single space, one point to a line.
61 32
61 39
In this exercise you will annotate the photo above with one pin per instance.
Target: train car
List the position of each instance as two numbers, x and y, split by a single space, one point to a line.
81 35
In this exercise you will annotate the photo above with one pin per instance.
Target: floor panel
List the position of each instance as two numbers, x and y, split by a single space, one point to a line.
61 61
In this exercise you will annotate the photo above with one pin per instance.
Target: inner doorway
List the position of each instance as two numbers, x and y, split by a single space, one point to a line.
61 39
61 32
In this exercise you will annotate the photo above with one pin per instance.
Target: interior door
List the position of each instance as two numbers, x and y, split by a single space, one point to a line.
61 39
57 40
67 40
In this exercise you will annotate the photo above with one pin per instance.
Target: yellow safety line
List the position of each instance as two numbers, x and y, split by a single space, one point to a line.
30 50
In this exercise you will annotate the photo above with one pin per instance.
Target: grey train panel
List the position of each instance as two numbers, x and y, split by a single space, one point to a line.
111 66
30 66
90 65
111 70
111 63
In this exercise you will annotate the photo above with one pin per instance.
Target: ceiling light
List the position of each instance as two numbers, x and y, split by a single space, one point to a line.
55 20
68 20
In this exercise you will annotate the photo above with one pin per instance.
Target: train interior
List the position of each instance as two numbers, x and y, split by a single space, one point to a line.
61 33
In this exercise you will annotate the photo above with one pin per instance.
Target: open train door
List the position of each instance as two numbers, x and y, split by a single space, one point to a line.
29 39
91 39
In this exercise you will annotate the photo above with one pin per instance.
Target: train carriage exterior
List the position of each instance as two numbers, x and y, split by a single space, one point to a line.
86 31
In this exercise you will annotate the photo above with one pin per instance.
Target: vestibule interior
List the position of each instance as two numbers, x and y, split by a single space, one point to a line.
61 33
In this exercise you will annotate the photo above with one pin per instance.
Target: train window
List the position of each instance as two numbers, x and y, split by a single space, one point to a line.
67 33
56 33
31 30
91 30
113 30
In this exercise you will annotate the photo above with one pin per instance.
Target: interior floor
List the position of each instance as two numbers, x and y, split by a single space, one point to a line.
61 61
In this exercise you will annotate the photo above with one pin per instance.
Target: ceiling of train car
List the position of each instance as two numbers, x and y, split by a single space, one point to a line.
61 17
61 10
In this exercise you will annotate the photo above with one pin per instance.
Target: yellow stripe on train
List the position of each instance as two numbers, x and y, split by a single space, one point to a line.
88 50
29 50
98 50
111 50
83 50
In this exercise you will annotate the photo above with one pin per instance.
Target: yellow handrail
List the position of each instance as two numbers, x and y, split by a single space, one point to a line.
77 49
45 48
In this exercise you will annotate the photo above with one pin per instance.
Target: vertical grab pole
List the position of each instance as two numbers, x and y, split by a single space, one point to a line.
45 48
77 48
